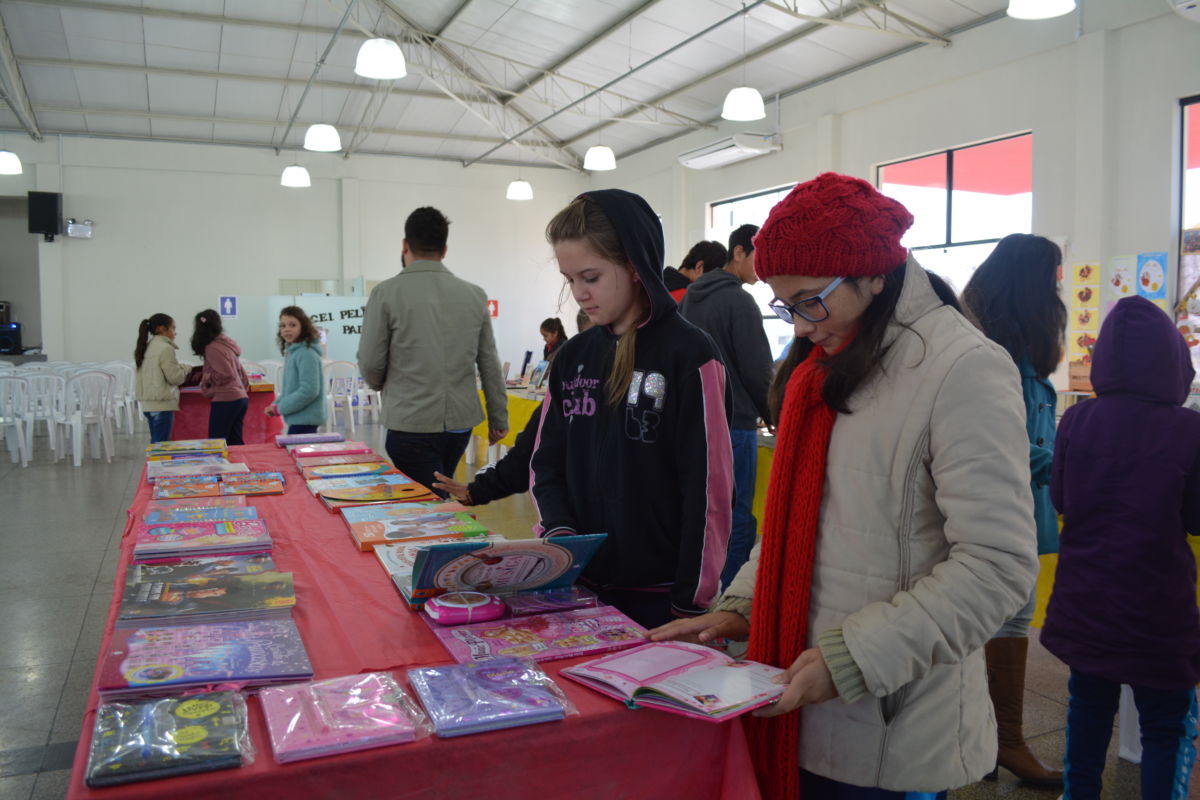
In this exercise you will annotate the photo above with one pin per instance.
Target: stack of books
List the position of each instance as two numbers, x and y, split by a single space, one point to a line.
285 439
182 539
194 468
398 559
471 698
329 449
339 493
213 598
372 525
185 449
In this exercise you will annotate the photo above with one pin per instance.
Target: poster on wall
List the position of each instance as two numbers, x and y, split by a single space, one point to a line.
1083 324
1188 307
1152 276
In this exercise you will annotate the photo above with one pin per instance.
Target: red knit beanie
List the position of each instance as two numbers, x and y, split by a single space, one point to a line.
833 225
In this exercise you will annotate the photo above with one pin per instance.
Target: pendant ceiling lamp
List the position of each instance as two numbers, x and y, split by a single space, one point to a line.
745 103
599 158
10 163
322 138
381 60
1039 9
519 190
295 177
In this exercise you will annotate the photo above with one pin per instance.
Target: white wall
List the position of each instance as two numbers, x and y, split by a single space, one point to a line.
19 269
179 225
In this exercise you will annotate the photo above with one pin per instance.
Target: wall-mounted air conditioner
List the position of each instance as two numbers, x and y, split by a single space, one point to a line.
1189 9
738 147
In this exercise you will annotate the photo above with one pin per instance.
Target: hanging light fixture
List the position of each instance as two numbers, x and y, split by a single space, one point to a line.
519 190
10 163
1039 9
322 138
745 103
381 60
295 177
599 158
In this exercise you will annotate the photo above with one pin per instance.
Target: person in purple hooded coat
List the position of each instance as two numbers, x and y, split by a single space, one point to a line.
1126 477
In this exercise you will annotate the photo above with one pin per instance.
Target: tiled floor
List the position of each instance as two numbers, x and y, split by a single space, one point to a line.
61 527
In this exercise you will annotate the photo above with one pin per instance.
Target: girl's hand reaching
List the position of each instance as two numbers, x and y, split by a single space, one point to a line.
456 489
703 629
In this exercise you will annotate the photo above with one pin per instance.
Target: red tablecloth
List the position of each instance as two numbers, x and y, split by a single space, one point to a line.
191 420
352 620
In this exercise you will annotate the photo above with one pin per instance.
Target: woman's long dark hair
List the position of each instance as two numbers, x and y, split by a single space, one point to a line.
1013 298
146 329
208 327
308 331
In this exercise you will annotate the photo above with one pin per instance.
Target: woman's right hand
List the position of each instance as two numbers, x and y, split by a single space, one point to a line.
704 628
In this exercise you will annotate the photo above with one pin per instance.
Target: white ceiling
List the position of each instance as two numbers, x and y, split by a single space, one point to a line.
489 80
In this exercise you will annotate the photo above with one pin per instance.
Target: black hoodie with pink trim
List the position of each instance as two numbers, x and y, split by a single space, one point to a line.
655 471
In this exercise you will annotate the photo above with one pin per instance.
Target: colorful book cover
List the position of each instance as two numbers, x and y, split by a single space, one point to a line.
503 567
322 485
162 659
159 470
543 637
199 567
193 487
338 499
471 698
194 502
337 715
356 458
328 449
185 538
171 736
284 439
253 483
683 678
218 596
398 559
369 532
324 471
209 514
187 446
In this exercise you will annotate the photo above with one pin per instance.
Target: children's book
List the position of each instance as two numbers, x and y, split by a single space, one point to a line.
198 567
218 598
324 484
471 698
253 483
158 470
543 637
196 486
284 439
398 559
187 446
356 458
544 601
683 678
199 538
337 499
209 514
157 660
324 471
369 530
502 567
338 715
194 502
137 741
328 449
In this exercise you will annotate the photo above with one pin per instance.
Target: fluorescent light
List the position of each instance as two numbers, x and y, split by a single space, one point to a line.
519 190
1039 9
743 104
10 164
322 138
295 177
599 158
380 59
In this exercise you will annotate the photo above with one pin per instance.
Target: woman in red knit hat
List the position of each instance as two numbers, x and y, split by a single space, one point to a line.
898 532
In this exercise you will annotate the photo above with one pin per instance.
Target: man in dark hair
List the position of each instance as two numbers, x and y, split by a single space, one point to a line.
717 304
703 257
425 334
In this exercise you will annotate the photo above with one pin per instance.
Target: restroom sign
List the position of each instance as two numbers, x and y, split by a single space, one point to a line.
227 306
494 308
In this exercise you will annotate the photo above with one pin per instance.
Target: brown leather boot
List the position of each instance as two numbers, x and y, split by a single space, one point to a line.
1006 684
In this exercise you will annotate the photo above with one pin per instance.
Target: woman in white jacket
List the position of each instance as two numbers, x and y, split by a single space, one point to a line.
899 529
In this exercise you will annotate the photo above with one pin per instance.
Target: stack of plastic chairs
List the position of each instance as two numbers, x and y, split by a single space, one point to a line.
47 403
89 411
14 410
341 381
124 393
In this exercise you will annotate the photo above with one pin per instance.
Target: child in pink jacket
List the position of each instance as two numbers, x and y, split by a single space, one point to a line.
223 381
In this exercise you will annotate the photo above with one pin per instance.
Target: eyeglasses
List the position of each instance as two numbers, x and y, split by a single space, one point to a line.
811 309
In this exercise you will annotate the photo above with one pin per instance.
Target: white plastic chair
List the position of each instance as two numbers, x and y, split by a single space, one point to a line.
89 408
47 403
369 404
341 381
14 410
273 370
124 392
253 367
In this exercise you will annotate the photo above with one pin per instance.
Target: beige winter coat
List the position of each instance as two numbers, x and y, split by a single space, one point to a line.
926 545
158 376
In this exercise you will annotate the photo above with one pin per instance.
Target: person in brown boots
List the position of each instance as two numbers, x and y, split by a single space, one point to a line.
1013 298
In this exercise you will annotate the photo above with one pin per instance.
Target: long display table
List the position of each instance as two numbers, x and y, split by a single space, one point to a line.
191 420
352 620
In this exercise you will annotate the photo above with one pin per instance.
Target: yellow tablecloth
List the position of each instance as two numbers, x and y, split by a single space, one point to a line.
521 406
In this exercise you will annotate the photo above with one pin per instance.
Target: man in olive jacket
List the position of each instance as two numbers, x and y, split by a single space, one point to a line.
425 333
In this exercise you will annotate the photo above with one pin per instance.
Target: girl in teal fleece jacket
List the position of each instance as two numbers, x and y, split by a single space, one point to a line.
301 393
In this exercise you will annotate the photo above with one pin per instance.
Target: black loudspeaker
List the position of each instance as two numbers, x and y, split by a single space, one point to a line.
45 214
10 338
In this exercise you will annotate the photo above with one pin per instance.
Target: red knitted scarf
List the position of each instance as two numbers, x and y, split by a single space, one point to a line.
779 619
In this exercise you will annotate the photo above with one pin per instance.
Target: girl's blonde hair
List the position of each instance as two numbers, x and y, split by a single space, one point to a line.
583 220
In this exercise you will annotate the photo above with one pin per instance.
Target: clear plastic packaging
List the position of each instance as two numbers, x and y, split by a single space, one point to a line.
541 601
340 715
161 738
487 696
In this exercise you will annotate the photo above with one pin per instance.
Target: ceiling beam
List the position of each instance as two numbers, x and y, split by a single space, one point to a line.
928 37
450 20
316 69
911 24
765 50
14 87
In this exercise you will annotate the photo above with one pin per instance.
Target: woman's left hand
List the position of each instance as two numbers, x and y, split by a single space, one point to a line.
809 681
